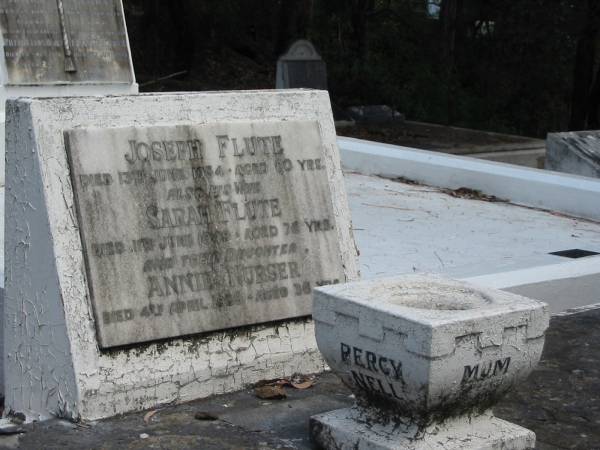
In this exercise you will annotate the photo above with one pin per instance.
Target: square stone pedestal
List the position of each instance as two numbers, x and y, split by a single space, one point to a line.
421 349
352 429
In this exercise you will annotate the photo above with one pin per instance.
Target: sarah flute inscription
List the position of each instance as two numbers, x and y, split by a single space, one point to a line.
208 198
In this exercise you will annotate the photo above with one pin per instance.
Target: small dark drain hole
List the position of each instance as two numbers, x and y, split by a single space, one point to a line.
574 253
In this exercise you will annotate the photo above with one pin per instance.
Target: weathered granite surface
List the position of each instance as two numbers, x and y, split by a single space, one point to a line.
576 152
560 401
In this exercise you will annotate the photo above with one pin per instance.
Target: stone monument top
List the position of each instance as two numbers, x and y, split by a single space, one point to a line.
47 42
62 48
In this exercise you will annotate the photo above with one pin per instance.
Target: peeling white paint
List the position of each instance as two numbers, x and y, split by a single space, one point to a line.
52 362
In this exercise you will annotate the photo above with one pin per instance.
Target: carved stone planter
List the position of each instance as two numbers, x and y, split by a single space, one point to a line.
426 358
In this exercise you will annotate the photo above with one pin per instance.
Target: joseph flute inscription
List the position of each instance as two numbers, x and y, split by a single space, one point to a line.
189 229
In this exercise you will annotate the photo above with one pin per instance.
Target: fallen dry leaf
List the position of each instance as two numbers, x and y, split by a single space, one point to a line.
301 381
149 415
270 392
303 385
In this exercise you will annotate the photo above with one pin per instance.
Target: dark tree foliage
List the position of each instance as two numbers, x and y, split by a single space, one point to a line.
526 67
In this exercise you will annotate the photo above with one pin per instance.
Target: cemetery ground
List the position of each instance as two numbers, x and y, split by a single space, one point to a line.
560 402
181 270
402 227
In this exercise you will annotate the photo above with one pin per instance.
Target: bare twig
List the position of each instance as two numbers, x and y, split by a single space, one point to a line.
166 77
388 206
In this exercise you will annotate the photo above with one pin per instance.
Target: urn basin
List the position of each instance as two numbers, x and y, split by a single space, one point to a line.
427 348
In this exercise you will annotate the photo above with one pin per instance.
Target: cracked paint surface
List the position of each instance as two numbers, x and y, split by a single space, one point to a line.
54 366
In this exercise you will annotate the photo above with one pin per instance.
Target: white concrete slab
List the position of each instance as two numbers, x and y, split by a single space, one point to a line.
553 191
563 294
402 228
569 269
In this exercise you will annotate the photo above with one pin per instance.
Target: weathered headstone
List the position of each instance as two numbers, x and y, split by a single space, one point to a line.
426 358
63 48
188 228
576 152
301 67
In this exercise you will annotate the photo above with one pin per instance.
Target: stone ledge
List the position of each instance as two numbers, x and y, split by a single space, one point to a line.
349 429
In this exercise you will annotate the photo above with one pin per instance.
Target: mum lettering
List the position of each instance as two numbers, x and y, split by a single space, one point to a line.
480 372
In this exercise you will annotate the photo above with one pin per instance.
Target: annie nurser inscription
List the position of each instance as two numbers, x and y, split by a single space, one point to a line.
64 41
189 229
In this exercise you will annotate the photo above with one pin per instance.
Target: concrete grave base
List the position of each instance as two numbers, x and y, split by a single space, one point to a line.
350 428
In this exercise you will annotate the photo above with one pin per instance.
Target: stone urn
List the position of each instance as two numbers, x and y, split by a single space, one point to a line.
425 356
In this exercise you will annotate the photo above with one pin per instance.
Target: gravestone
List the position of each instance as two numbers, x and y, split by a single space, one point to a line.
426 358
576 152
186 233
63 48
301 67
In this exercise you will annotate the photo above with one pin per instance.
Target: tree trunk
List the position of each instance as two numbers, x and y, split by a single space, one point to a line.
359 18
294 18
585 95
449 15
593 104
181 39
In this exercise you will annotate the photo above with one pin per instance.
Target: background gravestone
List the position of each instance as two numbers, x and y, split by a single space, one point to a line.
576 152
301 67
179 224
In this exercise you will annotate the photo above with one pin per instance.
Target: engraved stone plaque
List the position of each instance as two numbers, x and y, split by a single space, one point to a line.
188 229
64 41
